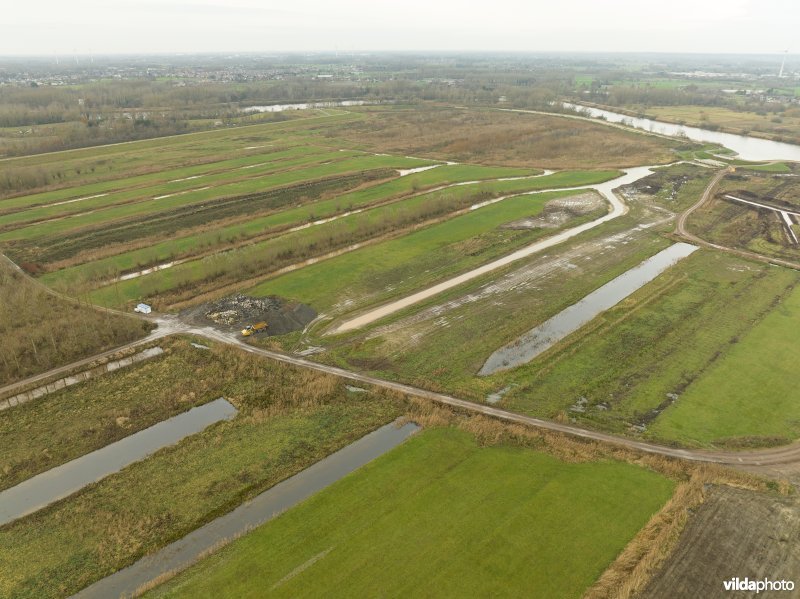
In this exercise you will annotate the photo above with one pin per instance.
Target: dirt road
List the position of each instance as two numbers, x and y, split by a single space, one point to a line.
682 231
763 460
758 460
618 208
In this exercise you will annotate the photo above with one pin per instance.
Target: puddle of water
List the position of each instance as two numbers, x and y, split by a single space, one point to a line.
43 489
99 195
147 271
180 193
186 179
748 148
420 169
537 340
261 509
495 397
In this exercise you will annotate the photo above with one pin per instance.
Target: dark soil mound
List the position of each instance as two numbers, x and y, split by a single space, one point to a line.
237 311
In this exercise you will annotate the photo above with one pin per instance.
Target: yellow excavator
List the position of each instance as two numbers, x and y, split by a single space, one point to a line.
252 329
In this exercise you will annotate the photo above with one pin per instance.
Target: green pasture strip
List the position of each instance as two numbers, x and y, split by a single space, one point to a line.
441 516
403 261
142 209
748 396
182 246
157 191
159 182
465 226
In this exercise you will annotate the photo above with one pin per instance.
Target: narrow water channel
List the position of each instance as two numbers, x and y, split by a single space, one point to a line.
271 503
41 490
537 340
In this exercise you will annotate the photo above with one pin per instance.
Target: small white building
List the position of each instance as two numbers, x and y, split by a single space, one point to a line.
143 309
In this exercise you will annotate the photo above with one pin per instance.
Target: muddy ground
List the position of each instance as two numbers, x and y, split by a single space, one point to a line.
559 211
735 533
233 313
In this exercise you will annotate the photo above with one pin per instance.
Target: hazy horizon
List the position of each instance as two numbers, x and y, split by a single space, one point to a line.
47 27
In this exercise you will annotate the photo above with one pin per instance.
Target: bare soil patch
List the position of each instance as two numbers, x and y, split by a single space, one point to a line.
735 533
234 312
558 212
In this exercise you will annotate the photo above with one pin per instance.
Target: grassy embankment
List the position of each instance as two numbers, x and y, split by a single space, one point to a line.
374 274
39 331
288 419
415 521
180 246
258 260
95 165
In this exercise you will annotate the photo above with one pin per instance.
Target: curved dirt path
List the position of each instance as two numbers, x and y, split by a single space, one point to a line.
618 208
758 459
682 231
762 457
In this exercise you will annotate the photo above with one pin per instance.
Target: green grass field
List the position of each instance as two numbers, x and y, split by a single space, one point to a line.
288 419
158 204
181 246
749 396
426 255
94 165
441 516
169 180
630 360
259 259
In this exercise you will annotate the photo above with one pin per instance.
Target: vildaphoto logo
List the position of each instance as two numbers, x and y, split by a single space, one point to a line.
757 586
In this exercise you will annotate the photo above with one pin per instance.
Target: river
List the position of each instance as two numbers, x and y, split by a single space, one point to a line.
748 148
305 106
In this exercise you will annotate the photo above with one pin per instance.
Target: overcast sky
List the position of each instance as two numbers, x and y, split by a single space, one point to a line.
49 27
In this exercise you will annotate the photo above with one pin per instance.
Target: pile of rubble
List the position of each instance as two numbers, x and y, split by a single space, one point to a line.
239 308
231 314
